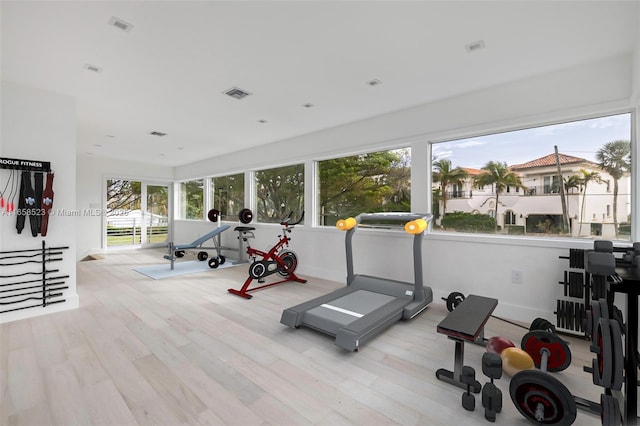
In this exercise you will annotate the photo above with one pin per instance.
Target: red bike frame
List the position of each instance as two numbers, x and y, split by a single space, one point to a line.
273 255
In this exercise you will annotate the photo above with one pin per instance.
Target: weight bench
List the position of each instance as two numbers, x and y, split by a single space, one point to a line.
465 324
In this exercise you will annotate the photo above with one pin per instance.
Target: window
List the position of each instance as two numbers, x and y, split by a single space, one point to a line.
365 183
518 171
192 199
279 191
227 195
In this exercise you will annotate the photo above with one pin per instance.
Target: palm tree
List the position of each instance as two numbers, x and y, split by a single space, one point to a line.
571 182
586 177
500 176
615 158
446 175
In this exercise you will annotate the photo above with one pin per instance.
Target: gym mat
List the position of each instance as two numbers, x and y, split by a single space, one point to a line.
158 272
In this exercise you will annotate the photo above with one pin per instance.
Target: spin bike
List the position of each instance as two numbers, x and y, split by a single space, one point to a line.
274 261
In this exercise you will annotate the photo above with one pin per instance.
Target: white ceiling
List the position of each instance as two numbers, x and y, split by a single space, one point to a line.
168 73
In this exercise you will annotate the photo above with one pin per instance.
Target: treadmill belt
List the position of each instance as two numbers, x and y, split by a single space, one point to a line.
344 310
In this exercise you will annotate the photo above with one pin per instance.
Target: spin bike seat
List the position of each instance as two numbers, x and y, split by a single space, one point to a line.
244 228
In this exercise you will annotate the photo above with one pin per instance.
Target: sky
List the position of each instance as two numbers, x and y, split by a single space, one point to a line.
578 138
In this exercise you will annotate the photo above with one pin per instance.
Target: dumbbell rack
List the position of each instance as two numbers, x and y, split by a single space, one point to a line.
576 285
39 283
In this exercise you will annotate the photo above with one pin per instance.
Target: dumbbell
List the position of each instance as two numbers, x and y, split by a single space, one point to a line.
468 377
491 395
537 395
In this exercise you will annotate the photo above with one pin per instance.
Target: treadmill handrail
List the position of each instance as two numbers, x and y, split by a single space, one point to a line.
418 286
396 216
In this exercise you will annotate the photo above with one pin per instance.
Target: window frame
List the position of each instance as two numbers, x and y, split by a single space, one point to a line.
532 123
406 145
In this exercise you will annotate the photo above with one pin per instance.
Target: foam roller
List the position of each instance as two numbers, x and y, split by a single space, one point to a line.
415 226
346 224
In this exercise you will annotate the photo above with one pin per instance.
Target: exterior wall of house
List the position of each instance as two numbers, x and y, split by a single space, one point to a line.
540 200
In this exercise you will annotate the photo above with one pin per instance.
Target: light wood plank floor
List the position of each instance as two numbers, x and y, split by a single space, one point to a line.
183 351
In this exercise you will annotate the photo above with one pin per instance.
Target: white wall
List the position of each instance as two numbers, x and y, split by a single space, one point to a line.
39 125
469 264
92 172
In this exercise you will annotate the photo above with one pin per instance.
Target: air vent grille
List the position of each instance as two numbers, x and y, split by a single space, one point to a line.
154 133
120 24
476 45
236 93
92 67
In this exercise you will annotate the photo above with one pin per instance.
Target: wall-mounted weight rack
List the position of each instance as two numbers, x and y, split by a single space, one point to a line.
25 278
577 284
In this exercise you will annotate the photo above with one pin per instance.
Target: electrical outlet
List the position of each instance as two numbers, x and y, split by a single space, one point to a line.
516 276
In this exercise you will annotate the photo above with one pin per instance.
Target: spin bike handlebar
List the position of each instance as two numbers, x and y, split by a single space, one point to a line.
286 223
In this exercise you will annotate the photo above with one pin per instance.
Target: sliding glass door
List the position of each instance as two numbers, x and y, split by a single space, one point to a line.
137 213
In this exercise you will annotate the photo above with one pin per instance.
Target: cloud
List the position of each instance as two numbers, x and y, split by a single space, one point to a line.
469 144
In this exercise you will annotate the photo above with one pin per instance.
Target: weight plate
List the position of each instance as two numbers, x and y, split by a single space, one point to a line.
221 259
541 398
213 263
604 356
558 313
604 309
454 299
535 324
617 373
610 414
213 215
202 255
596 314
559 353
245 216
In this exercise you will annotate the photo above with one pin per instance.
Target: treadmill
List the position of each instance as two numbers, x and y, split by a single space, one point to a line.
368 305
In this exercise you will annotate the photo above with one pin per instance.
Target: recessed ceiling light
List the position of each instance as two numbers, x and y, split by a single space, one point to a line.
180 148
109 136
476 45
374 82
262 121
93 68
237 93
97 144
120 24
161 155
308 105
154 133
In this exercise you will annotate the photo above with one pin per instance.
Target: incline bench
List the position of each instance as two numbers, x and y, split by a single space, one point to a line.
465 324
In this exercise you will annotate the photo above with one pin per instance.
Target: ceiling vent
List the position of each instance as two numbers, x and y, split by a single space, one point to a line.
374 82
92 68
154 133
120 24
476 45
236 93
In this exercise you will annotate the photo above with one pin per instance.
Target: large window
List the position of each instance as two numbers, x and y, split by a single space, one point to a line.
365 183
279 191
570 179
227 195
192 199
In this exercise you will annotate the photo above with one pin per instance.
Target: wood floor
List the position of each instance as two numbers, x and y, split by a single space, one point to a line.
183 351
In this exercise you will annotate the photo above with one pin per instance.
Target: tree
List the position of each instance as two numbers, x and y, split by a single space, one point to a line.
372 182
123 195
571 182
228 194
615 158
500 176
446 175
279 191
585 178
